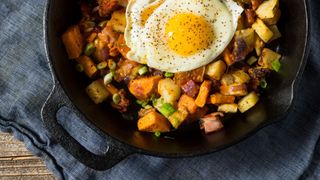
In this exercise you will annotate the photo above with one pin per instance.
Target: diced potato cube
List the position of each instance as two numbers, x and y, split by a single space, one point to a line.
153 122
188 102
143 88
267 9
97 91
276 32
178 117
73 41
203 93
228 108
218 98
169 90
240 77
267 57
118 20
216 69
227 79
262 30
88 65
234 90
274 20
248 102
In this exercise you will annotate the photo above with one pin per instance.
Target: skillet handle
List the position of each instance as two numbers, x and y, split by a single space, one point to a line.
116 150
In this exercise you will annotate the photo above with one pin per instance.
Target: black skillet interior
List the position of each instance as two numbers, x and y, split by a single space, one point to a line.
275 103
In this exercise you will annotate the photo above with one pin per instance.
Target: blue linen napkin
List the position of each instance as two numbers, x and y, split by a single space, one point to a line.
289 149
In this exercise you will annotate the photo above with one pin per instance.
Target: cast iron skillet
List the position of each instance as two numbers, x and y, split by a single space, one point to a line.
122 135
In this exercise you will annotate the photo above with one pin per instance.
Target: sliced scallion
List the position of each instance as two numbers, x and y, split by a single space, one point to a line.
90 48
263 83
168 74
143 70
166 109
157 134
108 78
79 68
102 65
276 65
116 98
142 103
111 64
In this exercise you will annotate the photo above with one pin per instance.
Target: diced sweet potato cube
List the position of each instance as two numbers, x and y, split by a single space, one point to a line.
88 65
73 41
203 93
187 102
218 98
143 88
153 122
97 92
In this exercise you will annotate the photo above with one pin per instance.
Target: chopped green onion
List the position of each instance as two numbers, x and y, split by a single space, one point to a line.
116 98
252 60
102 65
157 134
108 78
168 74
142 103
102 24
79 68
87 30
148 107
276 65
111 64
90 48
143 70
263 83
166 109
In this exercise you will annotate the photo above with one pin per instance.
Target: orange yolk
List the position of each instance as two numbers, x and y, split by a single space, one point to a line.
187 34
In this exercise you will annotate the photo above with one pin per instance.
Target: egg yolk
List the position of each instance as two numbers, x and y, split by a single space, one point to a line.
187 34
146 13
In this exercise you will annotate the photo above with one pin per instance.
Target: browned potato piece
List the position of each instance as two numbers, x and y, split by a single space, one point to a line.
73 41
218 98
262 30
188 102
143 88
97 92
259 45
216 69
153 122
234 90
203 93
276 32
267 57
274 20
248 102
118 20
240 77
88 65
228 108
267 9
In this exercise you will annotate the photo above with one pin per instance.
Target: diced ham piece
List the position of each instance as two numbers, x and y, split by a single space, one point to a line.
211 122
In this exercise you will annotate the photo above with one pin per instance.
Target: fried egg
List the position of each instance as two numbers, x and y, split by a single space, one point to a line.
177 36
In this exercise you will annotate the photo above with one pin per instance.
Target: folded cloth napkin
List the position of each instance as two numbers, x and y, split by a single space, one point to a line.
289 149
